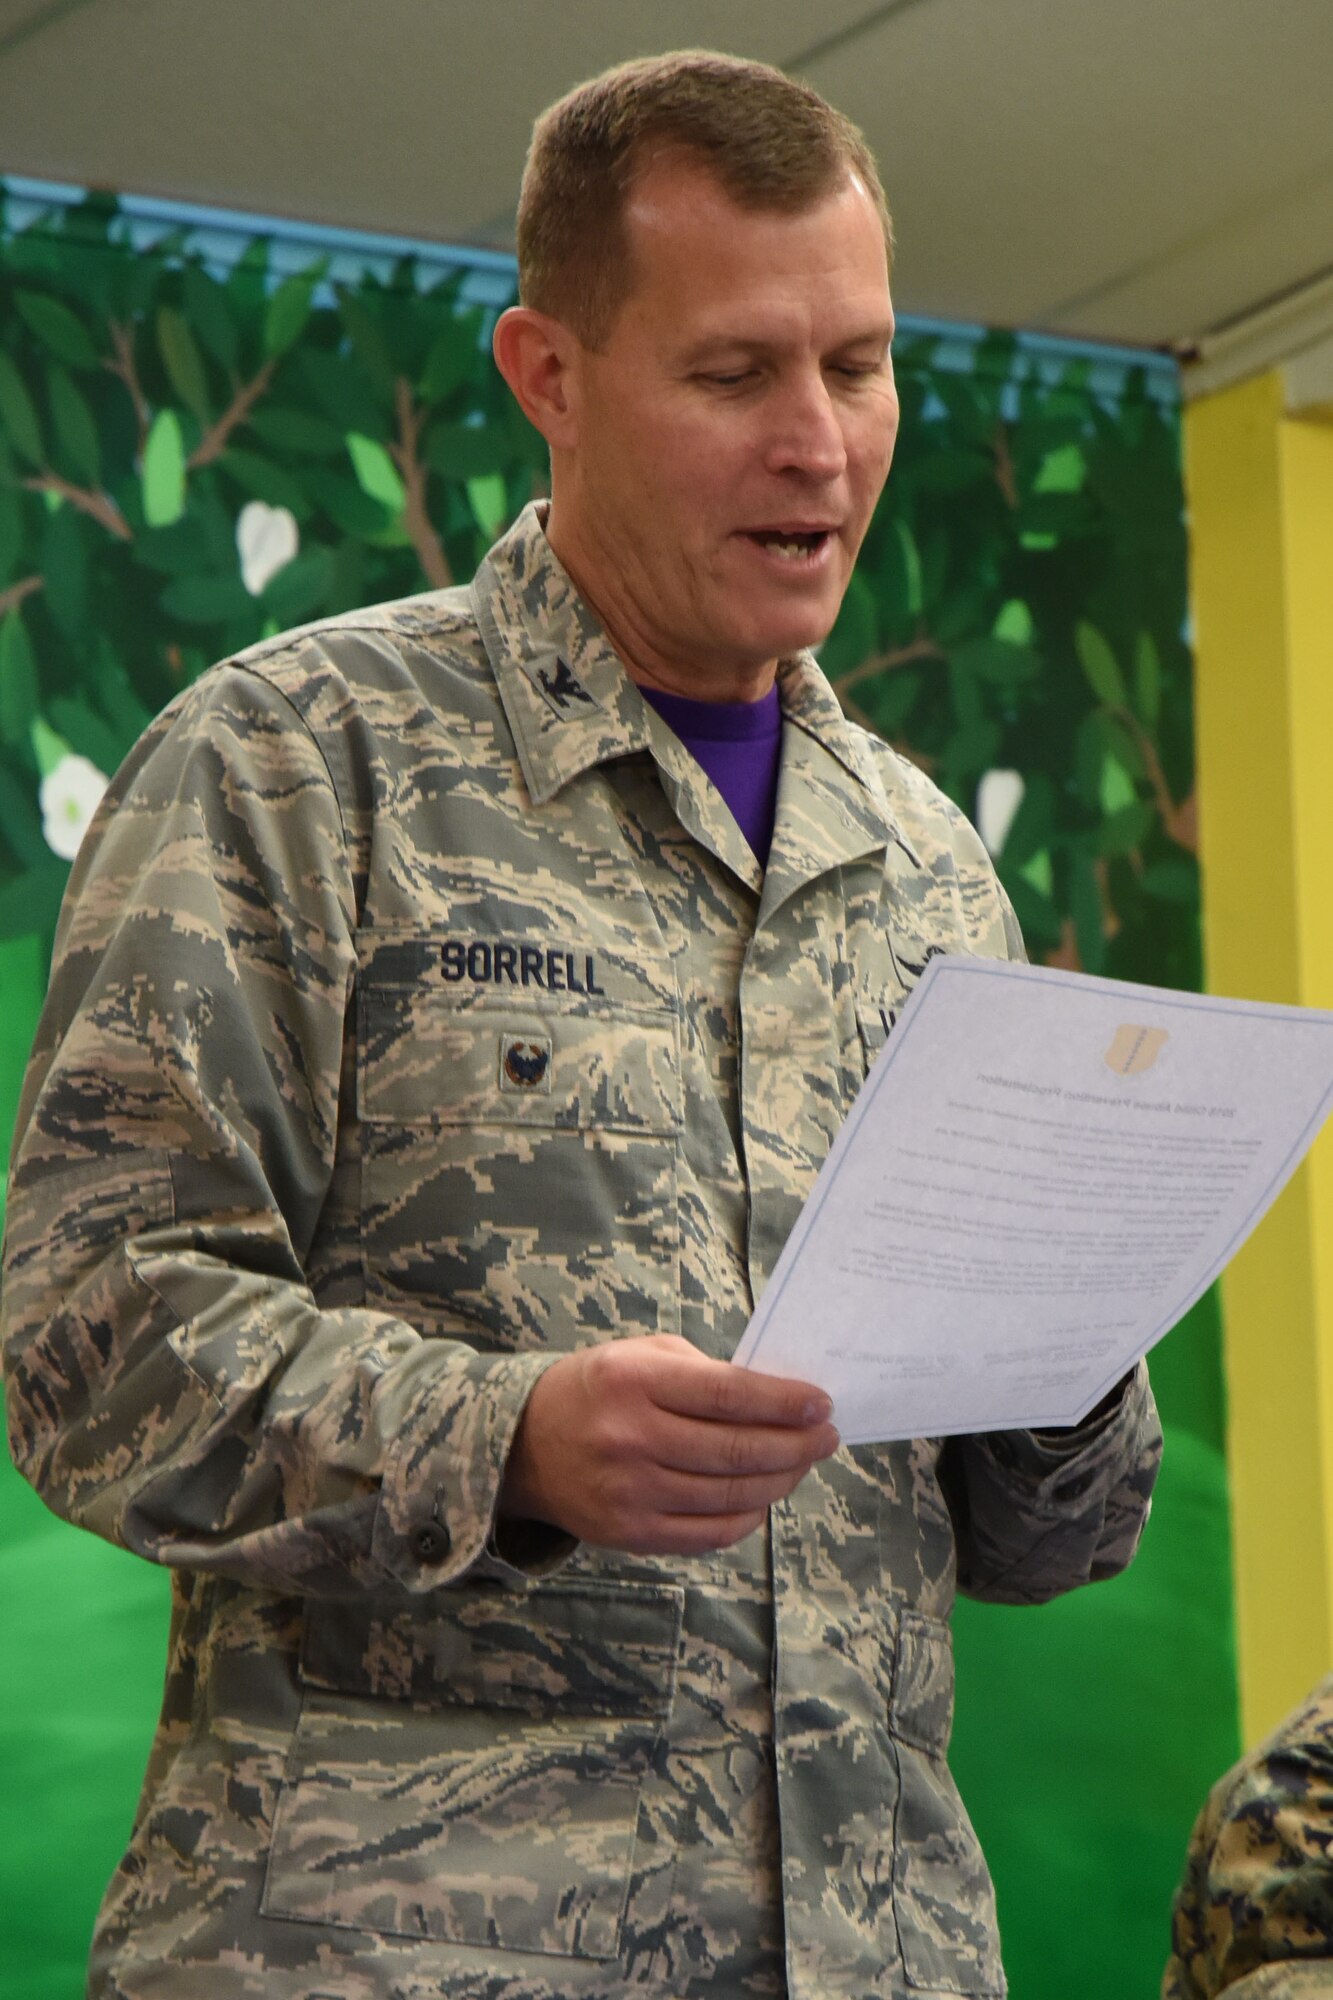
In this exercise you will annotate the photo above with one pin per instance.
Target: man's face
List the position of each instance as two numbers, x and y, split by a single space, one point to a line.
733 434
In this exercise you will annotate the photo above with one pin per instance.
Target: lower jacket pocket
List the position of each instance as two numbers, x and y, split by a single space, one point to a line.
476 1777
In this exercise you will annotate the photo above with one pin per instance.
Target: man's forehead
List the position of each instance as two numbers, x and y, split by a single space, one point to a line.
706 269
674 186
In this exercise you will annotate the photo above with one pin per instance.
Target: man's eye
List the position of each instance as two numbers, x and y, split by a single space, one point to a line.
732 380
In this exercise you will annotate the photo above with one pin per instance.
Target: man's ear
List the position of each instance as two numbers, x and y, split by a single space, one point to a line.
538 358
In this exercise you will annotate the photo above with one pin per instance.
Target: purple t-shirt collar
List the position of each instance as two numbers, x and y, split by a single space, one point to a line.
739 745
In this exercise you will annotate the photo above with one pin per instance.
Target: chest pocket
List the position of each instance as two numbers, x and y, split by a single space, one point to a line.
518 1149
471 1773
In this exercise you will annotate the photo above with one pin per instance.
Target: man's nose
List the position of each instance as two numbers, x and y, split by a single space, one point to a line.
807 433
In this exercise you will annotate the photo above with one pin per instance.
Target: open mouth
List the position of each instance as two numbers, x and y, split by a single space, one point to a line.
790 544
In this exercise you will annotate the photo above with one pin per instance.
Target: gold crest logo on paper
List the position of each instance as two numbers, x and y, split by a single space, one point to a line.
1134 1049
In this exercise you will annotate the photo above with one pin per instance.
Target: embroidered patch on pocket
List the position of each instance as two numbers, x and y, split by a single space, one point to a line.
525 1063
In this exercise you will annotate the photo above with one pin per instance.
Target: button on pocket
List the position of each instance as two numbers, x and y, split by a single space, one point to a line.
431 1542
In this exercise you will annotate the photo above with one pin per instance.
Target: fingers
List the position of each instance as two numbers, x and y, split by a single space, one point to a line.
700 1493
734 1423
720 1392
648 1446
739 1451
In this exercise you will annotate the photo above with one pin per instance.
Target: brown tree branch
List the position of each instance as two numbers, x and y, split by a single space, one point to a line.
1066 953
217 437
1101 868
1184 824
100 506
123 366
16 592
855 713
1005 476
884 663
1180 820
416 517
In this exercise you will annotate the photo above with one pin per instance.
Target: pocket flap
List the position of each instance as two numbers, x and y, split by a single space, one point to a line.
432 1057
588 1649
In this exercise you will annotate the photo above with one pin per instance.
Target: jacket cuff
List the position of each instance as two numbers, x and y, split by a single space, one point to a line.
436 1519
1060 1465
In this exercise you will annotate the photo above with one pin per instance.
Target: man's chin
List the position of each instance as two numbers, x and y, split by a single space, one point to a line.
804 637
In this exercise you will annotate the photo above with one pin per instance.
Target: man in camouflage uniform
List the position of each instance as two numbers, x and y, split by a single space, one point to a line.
430 1078
1254 1915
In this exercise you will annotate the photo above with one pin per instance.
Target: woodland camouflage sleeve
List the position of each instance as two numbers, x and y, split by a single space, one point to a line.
1253 1917
172 1383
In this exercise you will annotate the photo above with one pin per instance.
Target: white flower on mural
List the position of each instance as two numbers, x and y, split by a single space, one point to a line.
999 795
266 540
69 796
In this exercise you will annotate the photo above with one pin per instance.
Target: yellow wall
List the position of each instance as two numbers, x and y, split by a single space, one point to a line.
1260 487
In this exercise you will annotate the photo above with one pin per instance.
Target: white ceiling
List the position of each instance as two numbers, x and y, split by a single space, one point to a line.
1139 171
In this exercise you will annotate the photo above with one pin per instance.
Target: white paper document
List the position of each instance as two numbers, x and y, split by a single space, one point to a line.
1042 1172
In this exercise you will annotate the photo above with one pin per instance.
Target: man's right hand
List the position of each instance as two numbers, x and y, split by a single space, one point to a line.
648 1446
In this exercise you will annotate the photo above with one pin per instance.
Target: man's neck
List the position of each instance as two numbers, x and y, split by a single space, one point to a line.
647 667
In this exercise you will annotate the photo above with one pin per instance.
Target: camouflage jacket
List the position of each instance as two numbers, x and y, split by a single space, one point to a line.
1254 1915
419 1013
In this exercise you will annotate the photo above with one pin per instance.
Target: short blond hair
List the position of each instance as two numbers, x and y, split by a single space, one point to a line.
773 143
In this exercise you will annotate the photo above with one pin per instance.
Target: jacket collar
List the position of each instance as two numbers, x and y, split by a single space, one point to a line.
571 706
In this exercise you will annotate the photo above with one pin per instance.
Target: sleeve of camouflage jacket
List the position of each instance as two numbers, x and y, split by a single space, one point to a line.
172 1383
1036 1514
1253 1917
1282 1979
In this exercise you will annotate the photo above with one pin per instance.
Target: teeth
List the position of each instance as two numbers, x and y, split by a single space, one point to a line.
788 550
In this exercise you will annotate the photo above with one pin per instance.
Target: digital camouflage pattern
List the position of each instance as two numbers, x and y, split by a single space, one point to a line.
420 1012
1254 1915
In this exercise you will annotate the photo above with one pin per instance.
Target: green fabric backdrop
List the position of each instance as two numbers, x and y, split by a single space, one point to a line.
1019 609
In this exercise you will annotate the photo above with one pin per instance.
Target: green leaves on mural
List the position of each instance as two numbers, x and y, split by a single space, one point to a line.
369 345
57 328
1099 664
340 389
376 473
288 310
286 430
1000 661
76 439
853 637
453 359
18 414
193 454
206 600
164 471
489 502
1147 680
184 363
18 681
1032 643
207 312
467 451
